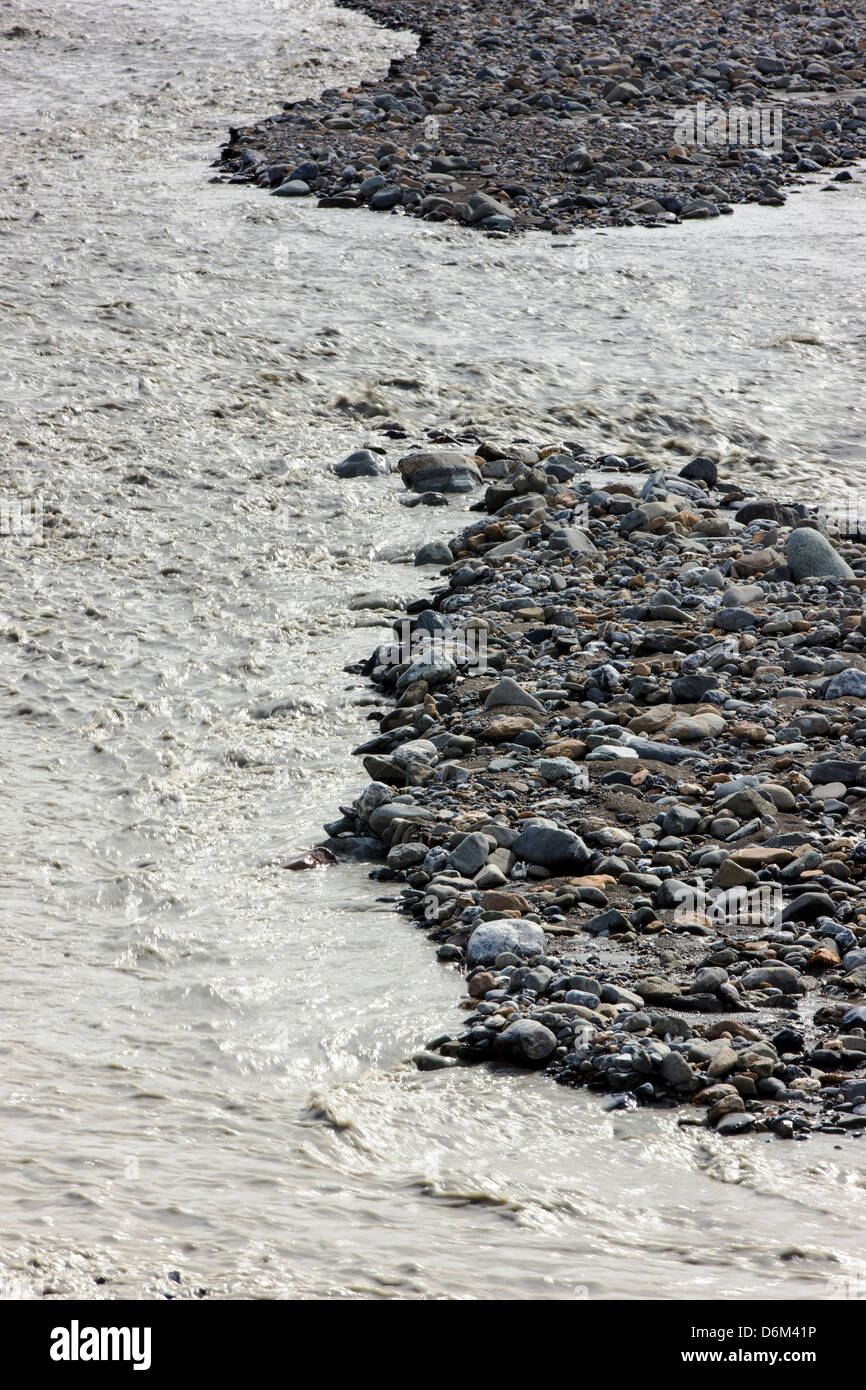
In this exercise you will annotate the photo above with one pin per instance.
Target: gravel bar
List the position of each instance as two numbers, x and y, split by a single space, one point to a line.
620 778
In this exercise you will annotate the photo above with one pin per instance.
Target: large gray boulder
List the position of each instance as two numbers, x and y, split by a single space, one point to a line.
526 1042
491 939
783 977
434 553
381 816
292 188
703 469
438 669
835 770
676 1071
416 750
848 682
542 842
811 556
745 803
574 539
471 854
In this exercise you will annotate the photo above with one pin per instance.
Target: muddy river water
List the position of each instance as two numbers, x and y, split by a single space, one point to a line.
202 1054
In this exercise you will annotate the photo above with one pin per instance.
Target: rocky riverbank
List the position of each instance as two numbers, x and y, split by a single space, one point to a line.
620 775
552 116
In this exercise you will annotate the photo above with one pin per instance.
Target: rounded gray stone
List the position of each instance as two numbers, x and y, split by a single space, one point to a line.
526 1042
782 977
509 934
849 682
471 854
556 769
363 464
551 846
293 188
434 553
811 556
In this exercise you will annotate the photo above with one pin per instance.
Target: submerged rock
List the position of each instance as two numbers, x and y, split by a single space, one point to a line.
362 464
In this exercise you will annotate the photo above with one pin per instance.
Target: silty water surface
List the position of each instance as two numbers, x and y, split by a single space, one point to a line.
201 1064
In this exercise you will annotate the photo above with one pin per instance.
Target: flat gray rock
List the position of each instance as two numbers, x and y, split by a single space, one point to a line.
782 977
835 770
659 752
439 470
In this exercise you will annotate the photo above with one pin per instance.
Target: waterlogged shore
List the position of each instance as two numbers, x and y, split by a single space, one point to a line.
637 828
549 117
